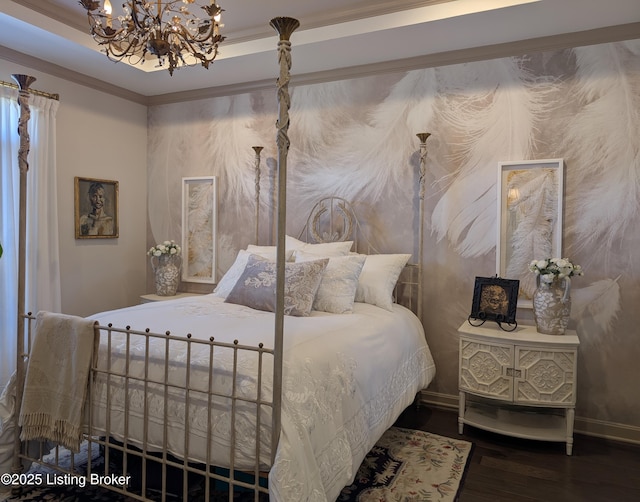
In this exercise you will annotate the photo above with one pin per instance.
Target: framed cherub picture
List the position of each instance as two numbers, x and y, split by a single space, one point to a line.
494 299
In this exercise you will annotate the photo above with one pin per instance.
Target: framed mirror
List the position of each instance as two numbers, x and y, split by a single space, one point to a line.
530 216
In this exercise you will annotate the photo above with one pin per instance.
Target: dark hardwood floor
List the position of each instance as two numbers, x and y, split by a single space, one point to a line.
506 469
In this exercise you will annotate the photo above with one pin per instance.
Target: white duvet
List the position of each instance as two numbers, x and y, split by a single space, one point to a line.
346 379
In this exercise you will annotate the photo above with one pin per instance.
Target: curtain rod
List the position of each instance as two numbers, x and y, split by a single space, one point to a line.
32 91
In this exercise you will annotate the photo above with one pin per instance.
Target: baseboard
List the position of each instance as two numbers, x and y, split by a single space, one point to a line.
586 426
439 400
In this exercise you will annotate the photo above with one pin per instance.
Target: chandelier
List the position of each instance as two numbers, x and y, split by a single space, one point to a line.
168 30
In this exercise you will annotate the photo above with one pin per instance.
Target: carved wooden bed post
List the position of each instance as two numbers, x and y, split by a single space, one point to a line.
285 26
23 81
422 136
257 149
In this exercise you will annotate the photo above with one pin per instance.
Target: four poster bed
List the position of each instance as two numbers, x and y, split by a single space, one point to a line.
208 387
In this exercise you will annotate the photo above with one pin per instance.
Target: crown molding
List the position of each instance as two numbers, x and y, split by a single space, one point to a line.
77 18
363 10
528 46
70 75
483 53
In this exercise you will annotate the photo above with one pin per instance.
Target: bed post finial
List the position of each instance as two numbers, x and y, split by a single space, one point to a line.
23 81
285 26
257 149
422 136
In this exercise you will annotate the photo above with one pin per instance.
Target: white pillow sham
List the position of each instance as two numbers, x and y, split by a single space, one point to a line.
269 252
337 290
229 279
379 277
325 249
231 276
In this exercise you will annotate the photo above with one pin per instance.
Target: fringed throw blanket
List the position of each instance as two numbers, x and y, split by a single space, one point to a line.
57 378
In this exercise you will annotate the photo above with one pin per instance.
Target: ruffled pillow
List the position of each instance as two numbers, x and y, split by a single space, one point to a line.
256 287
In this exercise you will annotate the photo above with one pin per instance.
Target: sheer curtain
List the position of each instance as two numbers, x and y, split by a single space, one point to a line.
42 255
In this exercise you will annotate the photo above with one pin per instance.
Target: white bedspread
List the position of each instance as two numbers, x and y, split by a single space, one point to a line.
346 380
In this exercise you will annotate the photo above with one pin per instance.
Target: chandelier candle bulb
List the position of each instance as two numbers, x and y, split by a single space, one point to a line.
108 10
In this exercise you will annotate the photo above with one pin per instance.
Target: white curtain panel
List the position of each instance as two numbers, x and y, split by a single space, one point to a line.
42 255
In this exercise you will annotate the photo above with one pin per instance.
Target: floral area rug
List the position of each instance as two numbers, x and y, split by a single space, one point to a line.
409 465
404 466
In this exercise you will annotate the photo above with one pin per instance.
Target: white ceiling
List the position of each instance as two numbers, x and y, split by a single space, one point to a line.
334 34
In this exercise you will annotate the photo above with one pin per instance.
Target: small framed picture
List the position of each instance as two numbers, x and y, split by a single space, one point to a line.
495 299
96 208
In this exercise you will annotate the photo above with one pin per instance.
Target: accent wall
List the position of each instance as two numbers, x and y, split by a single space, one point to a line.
356 138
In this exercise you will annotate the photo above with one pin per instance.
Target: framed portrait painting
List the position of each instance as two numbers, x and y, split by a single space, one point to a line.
96 208
494 299
199 229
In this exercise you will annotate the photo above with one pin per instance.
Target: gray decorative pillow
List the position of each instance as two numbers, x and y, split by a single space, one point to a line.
256 287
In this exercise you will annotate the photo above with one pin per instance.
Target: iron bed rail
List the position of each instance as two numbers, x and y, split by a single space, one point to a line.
140 451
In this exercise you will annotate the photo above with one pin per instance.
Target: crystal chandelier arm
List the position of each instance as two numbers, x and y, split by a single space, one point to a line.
134 15
114 51
186 38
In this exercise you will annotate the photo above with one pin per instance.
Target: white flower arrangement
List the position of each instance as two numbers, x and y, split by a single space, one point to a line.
167 247
550 268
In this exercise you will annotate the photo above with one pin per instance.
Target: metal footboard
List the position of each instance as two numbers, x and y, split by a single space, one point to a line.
136 381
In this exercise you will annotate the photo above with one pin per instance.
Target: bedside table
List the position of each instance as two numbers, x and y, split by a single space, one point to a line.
156 298
520 383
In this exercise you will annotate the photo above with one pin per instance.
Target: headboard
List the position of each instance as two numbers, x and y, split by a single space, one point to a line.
333 219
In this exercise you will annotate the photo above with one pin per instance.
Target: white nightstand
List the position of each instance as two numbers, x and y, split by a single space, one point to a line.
519 383
156 298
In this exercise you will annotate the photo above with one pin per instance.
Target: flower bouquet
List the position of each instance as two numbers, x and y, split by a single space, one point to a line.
166 263
554 268
551 300
166 247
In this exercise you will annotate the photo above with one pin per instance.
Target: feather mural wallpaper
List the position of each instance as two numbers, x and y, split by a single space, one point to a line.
490 111
356 138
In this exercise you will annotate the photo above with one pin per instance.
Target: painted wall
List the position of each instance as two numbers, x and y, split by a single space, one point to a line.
356 138
98 136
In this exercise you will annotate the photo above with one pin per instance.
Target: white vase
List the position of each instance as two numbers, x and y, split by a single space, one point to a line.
552 306
166 269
